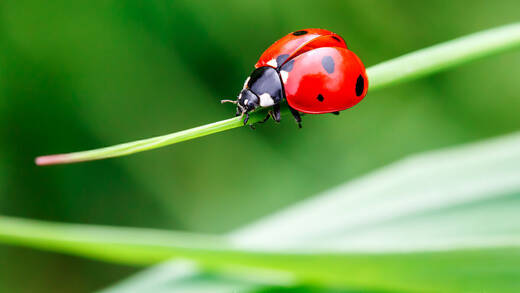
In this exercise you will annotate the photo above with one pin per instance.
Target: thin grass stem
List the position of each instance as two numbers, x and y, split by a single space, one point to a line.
405 68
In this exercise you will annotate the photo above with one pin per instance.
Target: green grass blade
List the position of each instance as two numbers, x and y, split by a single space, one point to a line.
141 145
126 245
356 222
478 182
182 276
443 56
391 271
408 67
476 228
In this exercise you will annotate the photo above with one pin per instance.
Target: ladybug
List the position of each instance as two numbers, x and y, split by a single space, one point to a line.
312 69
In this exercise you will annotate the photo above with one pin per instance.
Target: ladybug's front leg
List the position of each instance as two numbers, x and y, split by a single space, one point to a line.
274 112
266 117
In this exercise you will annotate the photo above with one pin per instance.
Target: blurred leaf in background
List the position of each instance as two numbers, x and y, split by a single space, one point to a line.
444 221
85 74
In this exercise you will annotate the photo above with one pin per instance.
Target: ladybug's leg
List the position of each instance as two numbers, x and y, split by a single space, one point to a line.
252 126
296 116
275 113
266 117
335 113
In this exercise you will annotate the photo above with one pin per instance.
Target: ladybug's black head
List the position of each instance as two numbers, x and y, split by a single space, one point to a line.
247 102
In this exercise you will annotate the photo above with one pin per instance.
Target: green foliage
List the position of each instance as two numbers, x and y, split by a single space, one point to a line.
409 227
79 75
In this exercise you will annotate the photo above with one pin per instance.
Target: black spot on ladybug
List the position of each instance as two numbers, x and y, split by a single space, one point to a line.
299 33
320 98
288 66
281 59
360 85
336 38
328 64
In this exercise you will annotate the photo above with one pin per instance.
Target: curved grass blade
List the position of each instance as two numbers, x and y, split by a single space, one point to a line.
141 145
476 231
391 271
470 189
410 66
356 205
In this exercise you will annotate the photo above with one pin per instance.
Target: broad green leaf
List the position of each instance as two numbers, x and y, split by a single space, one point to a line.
440 202
443 221
464 187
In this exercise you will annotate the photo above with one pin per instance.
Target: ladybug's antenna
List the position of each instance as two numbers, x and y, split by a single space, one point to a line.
228 101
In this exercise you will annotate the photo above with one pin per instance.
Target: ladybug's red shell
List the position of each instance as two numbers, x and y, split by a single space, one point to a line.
297 43
312 69
324 80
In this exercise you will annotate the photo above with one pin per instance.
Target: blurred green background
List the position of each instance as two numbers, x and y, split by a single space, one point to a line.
76 75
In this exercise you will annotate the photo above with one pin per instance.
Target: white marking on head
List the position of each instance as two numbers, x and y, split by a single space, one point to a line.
266 100
273 63
245 102
284 75
247 80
